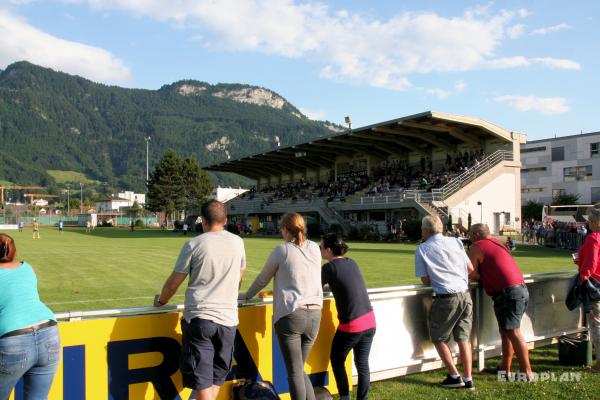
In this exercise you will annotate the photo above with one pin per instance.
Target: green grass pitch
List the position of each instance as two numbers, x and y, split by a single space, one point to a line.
116 268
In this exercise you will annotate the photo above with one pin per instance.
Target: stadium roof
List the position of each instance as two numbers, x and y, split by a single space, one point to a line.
414 133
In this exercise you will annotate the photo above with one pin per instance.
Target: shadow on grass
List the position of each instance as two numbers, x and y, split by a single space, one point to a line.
126 233
380 250
533 251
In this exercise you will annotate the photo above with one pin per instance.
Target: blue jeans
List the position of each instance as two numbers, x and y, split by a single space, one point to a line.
33 356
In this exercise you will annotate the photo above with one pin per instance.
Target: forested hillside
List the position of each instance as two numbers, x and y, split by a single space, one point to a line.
54 121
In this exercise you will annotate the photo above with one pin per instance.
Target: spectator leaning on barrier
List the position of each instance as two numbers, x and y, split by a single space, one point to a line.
215 262
442 263
357 319
502 279
297 299
588 260
29 341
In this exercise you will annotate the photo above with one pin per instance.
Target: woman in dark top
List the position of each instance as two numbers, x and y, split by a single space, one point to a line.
355 313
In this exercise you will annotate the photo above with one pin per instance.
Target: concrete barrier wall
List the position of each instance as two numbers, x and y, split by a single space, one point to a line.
402 344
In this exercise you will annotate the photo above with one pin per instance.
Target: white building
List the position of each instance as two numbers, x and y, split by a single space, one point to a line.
113 204
139 197
564 165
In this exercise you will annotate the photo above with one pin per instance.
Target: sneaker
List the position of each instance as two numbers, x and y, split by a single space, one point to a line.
469 385
451 382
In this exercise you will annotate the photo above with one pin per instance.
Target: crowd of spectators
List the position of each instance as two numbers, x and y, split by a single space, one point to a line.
398 175
553 233
390 177
346 185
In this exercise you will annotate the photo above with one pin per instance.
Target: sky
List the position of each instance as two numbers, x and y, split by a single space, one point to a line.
528 66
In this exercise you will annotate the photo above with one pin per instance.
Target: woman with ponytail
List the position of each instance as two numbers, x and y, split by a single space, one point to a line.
297 299
357 320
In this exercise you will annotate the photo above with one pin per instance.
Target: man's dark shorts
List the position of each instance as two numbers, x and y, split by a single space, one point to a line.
207 353
510 305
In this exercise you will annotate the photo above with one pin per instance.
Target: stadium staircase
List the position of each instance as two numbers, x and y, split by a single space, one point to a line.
461 181
462 185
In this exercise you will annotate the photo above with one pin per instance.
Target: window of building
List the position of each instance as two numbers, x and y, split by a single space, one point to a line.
533 149
558 154
572 174
533 169
594 150
595 195
532 190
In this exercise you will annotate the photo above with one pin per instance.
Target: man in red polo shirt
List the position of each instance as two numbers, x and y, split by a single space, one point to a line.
502 279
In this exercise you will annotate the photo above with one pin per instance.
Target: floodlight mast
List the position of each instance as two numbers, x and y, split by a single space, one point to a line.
147 139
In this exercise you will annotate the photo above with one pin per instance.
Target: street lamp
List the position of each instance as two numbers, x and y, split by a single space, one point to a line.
81 198
147 139
480 204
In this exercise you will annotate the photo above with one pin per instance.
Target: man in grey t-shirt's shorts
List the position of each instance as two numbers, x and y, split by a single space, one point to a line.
215 262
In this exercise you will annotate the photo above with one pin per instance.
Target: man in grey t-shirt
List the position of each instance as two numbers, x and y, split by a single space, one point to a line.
215 262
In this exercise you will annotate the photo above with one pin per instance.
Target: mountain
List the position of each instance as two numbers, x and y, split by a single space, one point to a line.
52 121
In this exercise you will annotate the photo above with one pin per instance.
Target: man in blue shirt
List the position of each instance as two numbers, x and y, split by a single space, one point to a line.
442 263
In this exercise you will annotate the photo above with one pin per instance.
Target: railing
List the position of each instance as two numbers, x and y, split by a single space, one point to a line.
397 197
471 174
402 317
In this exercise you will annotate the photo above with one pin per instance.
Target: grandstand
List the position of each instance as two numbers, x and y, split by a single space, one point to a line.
386 173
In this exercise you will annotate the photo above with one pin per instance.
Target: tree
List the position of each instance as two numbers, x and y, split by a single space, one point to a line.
165 186
133 212
565 199
469 221
532 210
74 204
449 223
176 184
197 184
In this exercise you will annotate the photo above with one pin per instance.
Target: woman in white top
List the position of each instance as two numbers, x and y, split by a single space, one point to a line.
297 299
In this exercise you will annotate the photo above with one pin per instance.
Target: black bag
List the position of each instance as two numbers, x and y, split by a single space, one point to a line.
254 390
575 350
321 393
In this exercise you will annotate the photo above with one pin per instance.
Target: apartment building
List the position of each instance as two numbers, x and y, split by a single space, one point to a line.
567 165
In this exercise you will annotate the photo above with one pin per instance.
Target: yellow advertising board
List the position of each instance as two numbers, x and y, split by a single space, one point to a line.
137 357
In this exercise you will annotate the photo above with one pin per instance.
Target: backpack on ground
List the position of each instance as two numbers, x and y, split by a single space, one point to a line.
254 390
321 393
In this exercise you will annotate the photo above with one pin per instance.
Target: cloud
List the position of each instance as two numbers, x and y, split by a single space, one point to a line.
544 105
314 115
557 63
550 29
515 31
520 61
460 86
441 94
21 41
346 46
